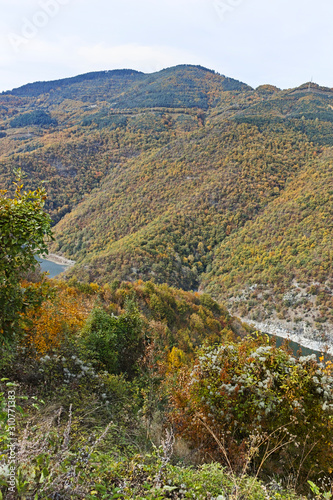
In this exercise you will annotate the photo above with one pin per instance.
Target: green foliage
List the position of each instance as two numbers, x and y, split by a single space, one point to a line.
56 459
38 117
24 231
172 317
114 342
103 119
151 239
65 85
100 338
290 240
182 177
102 447
137 478
319 494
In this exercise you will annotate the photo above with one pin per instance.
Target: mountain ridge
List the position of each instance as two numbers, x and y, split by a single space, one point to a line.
23 89
107 73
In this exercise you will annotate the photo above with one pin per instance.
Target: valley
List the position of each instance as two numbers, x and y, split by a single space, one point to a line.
189 178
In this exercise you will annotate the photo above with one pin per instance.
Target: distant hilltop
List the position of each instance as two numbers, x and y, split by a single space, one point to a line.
41 87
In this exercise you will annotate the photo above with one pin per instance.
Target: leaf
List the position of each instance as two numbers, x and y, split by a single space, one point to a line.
314 488
170 488
43 475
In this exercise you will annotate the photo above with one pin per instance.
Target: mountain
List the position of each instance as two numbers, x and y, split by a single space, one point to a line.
186 177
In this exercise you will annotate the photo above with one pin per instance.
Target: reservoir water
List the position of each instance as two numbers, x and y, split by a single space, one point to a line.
299 350
53 268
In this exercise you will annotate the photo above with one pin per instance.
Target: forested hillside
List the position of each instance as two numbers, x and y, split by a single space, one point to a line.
185 177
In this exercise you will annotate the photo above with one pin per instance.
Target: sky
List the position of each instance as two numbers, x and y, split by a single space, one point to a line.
281 42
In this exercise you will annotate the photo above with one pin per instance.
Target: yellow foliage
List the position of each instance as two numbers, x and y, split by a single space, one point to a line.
328 368
94 287
176 359
65 312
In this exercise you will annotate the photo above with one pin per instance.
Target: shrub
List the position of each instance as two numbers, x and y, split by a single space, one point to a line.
63 312
114 342
250 392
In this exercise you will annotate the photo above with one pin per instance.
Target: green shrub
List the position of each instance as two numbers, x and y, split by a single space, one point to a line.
114 342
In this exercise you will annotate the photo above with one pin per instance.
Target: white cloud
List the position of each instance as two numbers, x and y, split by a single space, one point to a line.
146 58
41 60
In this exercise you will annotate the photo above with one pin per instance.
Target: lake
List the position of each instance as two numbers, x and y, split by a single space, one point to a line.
299 350
53 268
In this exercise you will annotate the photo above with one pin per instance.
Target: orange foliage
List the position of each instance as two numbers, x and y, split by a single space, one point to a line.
63 313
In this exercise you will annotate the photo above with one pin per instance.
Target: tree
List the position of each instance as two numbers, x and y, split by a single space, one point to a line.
24 231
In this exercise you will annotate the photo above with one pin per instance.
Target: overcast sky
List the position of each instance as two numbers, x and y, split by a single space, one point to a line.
282 42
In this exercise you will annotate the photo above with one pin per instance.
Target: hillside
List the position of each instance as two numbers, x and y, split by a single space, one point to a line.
185 177
113 386
284 256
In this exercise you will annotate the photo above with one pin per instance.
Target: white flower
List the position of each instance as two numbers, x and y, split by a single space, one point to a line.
305 359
